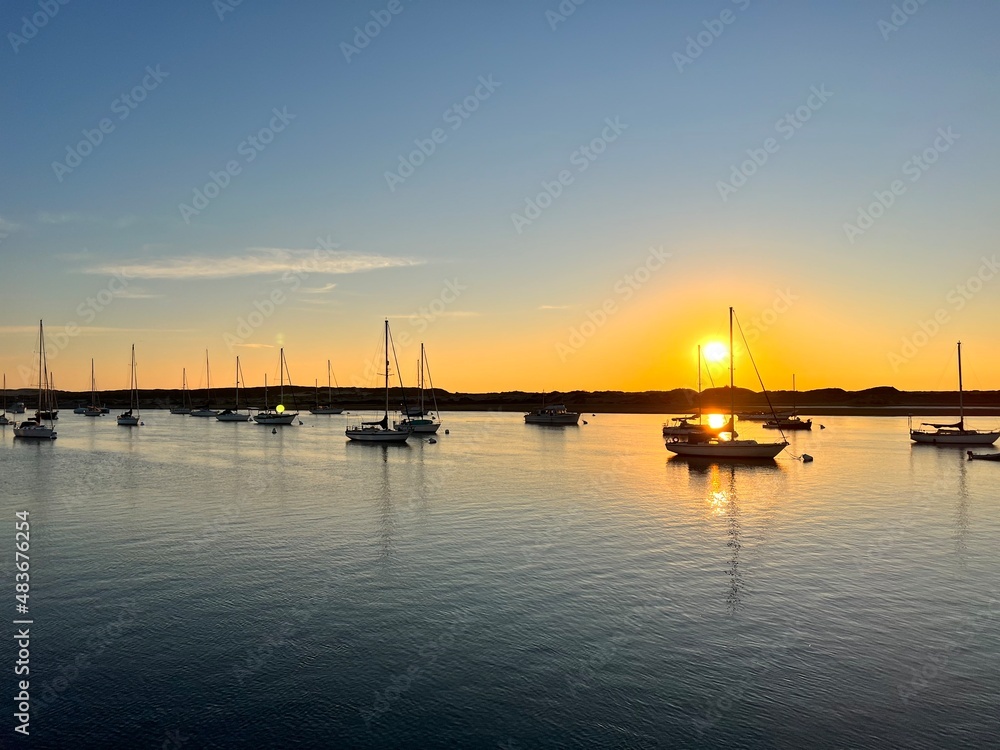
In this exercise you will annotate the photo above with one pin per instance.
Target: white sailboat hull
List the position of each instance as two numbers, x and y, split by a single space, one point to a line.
728 449
377 435
955 437
34 431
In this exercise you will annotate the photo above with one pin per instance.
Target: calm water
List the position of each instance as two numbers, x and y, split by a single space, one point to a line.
207 585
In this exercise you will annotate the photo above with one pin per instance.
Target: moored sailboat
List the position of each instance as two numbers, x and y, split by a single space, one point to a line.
328 407
206 410
3 415
234 414
732 448
130 418
185 407
34 429
790 421
380 432
278 415
416 419
957 433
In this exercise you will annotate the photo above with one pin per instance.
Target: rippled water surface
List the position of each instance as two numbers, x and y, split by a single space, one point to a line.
216 585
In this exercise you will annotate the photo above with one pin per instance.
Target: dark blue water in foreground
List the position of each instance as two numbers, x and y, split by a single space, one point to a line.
207 585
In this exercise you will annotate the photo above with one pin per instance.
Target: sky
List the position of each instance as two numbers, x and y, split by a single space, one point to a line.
551 196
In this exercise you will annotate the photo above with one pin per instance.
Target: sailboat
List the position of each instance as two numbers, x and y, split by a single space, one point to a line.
380 432
34 429
683 427
234 414
954 434
94 409
278 416
185 407
415 420
206 410
697 446
50 412
791 421
328 407
3 415
130 418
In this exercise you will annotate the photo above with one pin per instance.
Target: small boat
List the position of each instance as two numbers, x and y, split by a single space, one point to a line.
983 456
278 415
130 418
957 433
234 414
380 432
328 407
33 428
185 407
416 420
94 409
556 414
3 415
731 448
206 410
791 421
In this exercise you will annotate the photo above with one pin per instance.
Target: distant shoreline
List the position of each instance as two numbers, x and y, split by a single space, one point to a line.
882 401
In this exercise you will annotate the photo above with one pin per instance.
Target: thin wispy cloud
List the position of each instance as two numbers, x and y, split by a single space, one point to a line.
8 226
256 346
443 314
554 307
254 262
319 290
136 294
90 330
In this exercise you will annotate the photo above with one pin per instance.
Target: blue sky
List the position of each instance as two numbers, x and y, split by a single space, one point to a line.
655 185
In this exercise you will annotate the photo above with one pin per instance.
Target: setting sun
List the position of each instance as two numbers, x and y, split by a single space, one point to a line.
715 351
715 421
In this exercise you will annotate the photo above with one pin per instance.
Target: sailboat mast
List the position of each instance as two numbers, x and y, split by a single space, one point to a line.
732 392
281 375
387 368
793 393
961 404
237 383
699 385
329 387
421 378
208 374
41 356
